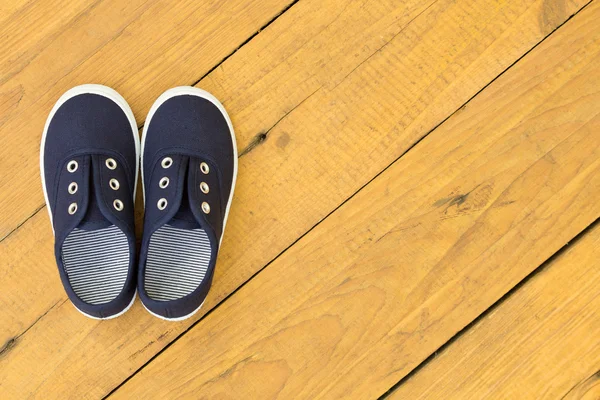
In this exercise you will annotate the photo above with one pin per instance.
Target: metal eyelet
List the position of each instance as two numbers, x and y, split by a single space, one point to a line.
72 208
162 204
111 163
204 168
72 187
72 166
205 207
164 182
204 187
166 162
118 205
114 184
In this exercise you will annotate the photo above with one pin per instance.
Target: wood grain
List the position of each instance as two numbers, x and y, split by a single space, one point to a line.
420 252
138 47
142 47
415 63
26 30
541 342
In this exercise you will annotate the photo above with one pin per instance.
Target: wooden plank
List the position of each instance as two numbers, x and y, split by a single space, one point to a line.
7 9
25 30
134 48
138 47
420 252
541 342
451 50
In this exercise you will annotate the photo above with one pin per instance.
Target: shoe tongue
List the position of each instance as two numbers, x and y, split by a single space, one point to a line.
188 215
184 217
93 218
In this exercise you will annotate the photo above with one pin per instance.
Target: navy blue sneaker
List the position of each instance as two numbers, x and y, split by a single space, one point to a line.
89 164
189 167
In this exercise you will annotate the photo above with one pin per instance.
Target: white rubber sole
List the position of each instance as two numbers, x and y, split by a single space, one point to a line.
175 319
102 91
112 316
192 91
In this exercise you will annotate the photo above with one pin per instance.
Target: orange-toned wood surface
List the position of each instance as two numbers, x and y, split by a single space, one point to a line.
359 248
541 342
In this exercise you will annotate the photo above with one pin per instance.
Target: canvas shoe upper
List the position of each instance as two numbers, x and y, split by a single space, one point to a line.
189 166
89 164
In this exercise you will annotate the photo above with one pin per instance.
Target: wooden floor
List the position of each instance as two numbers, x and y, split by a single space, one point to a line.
416 208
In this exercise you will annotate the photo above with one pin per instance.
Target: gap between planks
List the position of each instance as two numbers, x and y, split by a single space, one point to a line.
141 126
490 309
262 136
372 172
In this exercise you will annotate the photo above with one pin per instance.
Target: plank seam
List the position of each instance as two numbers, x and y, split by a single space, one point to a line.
10 343
386 43
589 379
23 222
217 305
261 137
258 139
540 269
283 10
265 26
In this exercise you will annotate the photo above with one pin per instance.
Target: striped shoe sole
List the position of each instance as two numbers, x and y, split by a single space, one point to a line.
177 262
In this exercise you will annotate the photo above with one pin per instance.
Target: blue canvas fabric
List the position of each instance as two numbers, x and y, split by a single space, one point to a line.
189 143
95 243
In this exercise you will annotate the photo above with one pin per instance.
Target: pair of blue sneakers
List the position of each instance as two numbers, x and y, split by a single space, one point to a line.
89 162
